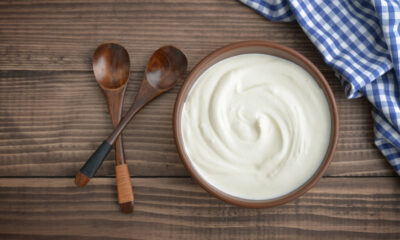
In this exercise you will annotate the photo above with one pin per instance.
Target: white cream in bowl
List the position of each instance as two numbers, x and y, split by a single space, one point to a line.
256 126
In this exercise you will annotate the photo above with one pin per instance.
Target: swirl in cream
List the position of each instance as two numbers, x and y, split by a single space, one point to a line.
256 126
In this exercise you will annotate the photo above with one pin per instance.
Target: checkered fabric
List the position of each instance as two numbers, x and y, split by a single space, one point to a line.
360 40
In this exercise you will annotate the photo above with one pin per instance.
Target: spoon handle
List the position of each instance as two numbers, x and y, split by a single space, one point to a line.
92 164
145 95
123 178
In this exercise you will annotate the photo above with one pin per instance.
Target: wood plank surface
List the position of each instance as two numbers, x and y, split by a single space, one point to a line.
50 122
48 45
336 208
62 35
52 116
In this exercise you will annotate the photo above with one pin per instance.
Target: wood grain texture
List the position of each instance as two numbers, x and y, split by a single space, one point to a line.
62 35
50 123
52 116
336 208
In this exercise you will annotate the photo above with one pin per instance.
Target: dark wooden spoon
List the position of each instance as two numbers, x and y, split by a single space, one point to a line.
111 69
165 68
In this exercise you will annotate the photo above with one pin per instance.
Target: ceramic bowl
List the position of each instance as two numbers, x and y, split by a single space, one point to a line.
262 47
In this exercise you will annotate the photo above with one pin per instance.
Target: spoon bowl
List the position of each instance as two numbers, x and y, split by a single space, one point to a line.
111 66
167 65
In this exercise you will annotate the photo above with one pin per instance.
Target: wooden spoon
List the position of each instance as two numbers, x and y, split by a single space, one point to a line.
111 69
165 68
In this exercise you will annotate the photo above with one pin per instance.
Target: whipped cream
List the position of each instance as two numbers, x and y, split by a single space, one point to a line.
256 126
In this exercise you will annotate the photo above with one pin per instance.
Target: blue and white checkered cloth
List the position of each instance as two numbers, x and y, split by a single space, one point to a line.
360 40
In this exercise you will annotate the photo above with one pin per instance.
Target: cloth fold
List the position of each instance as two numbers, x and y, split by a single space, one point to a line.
360 40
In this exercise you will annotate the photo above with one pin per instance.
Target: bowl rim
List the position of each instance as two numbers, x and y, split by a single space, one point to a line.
306 65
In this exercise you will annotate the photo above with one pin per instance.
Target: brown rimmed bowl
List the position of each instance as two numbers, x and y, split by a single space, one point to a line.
262 47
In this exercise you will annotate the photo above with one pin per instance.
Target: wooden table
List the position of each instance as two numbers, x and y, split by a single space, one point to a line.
52 116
